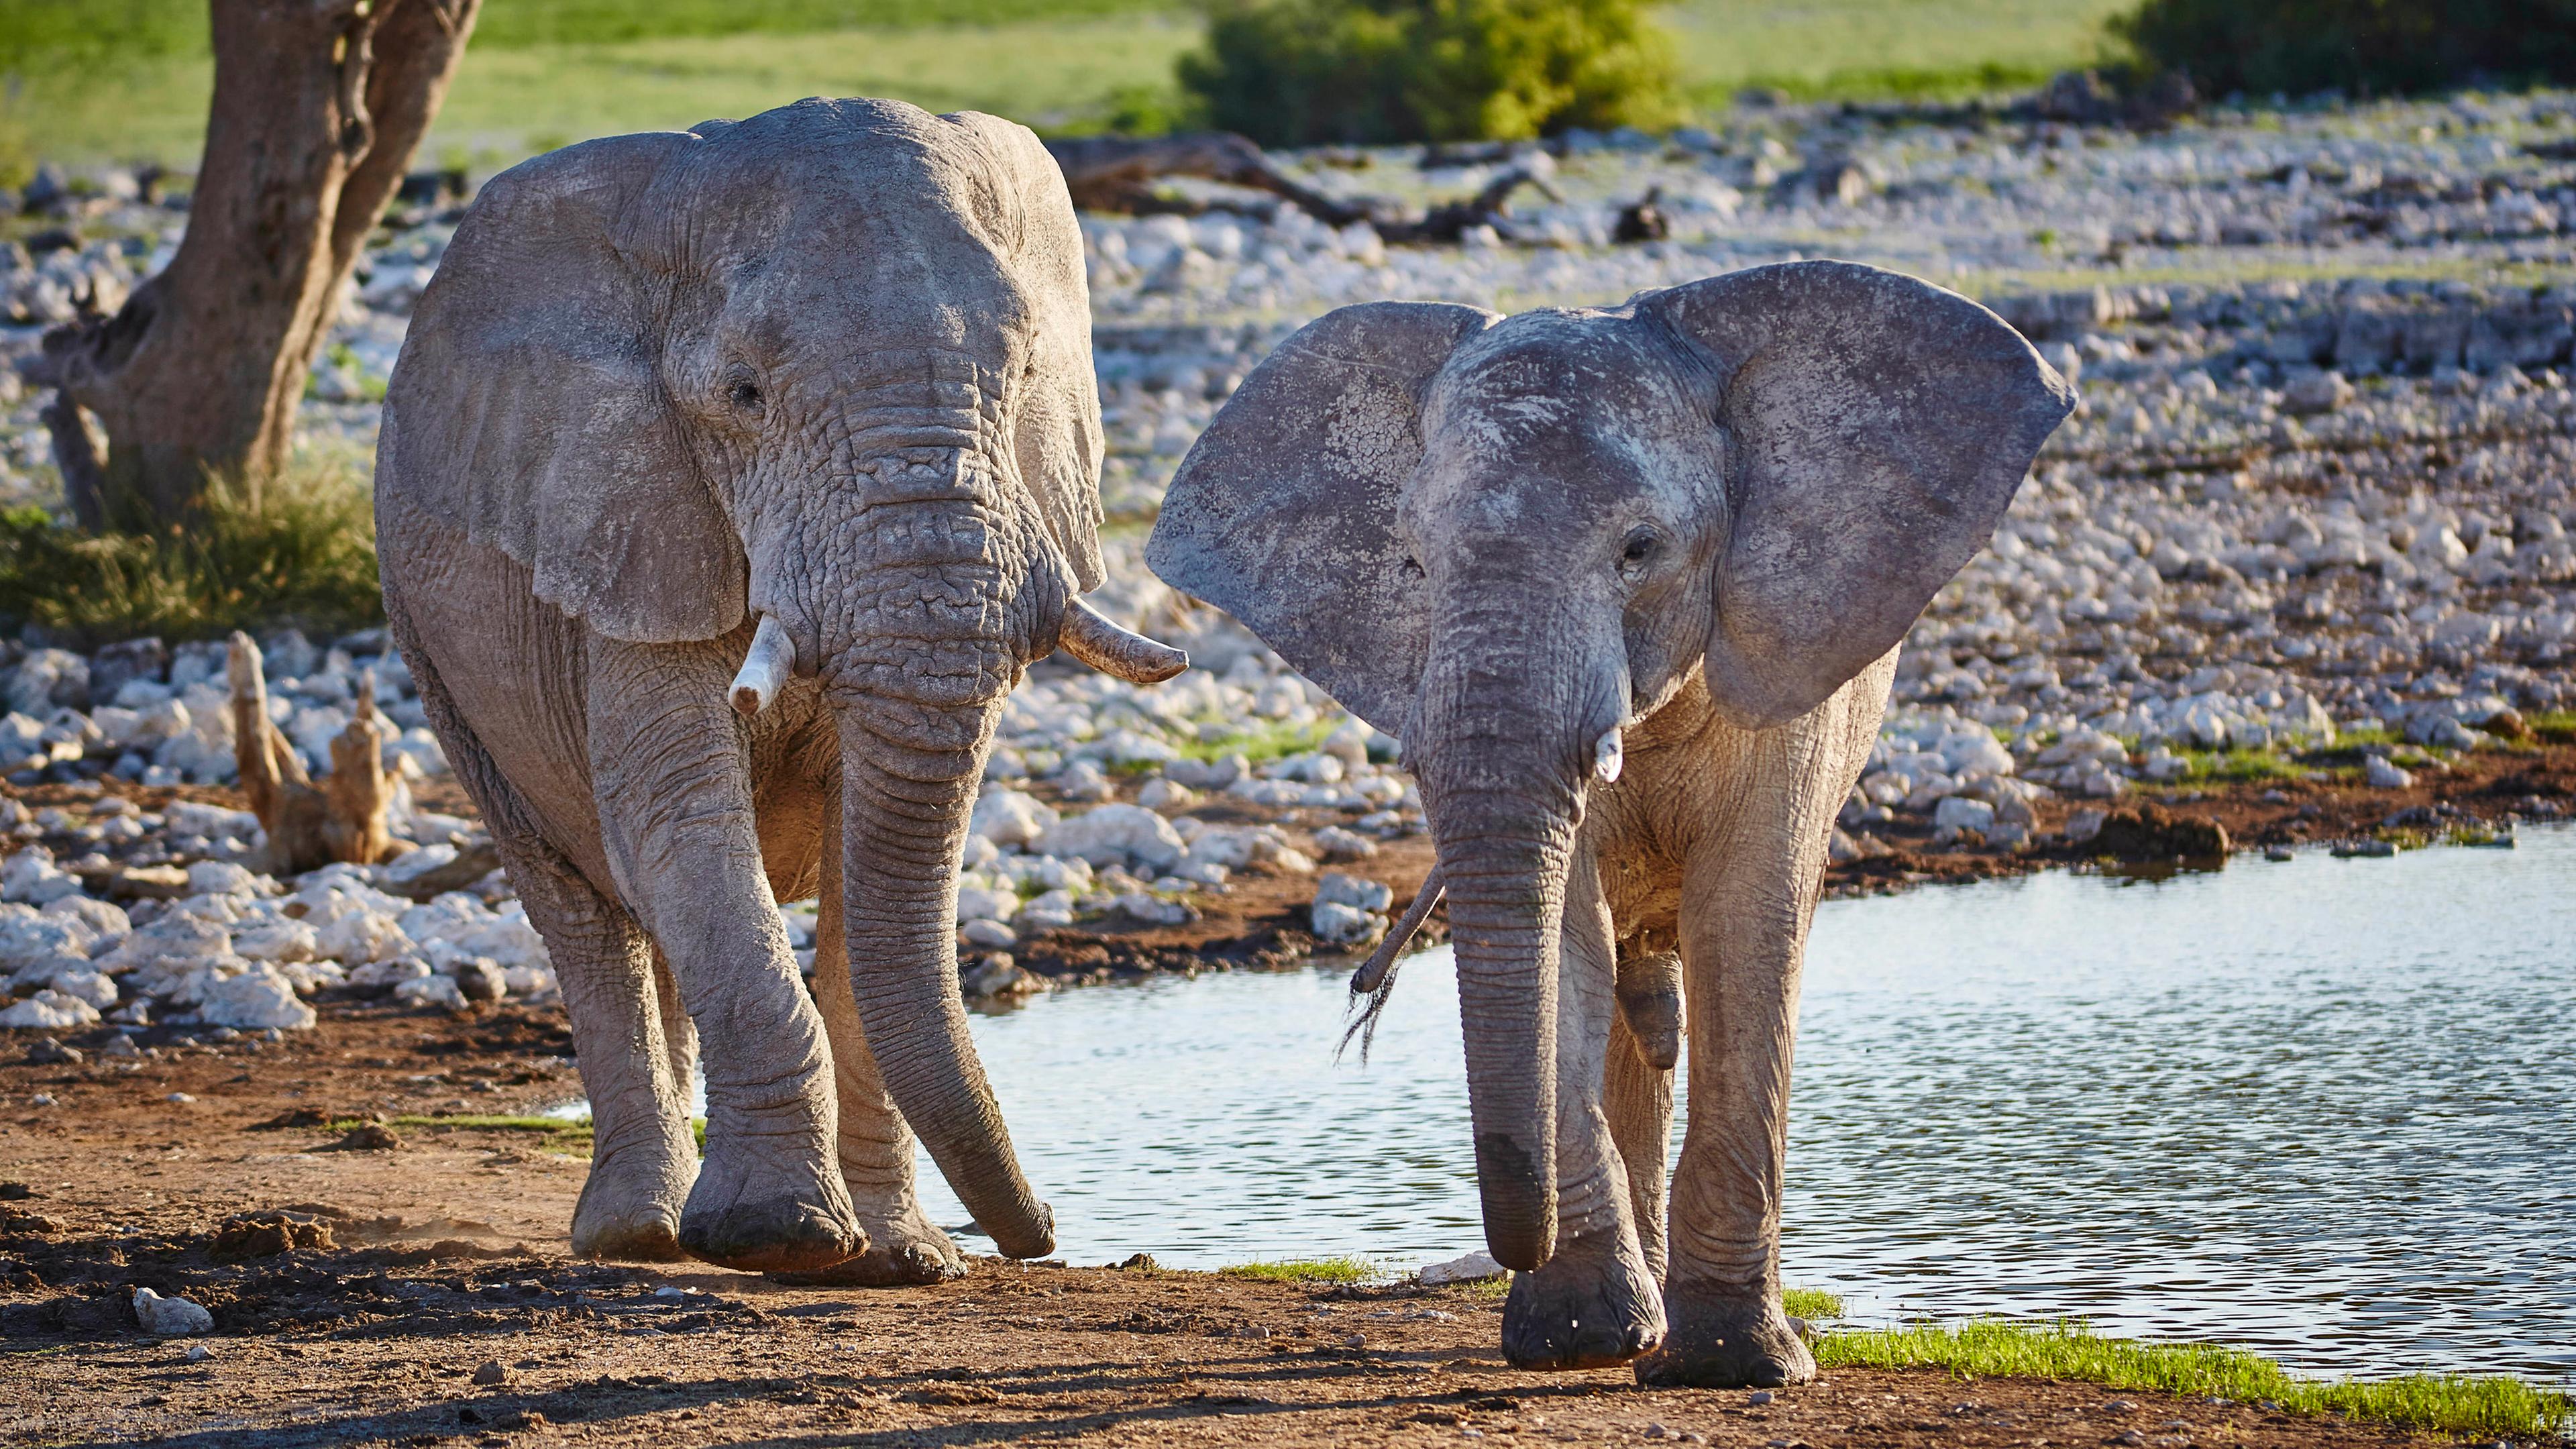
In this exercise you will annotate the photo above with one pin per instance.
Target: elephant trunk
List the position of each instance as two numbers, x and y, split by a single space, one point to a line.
904 814
915 657
1505 732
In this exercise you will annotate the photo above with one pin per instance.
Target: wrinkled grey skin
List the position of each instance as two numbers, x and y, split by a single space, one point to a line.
1705 520
832 365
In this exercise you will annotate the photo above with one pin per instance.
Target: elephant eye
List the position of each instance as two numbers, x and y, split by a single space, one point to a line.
744 394
1641 547
1412 567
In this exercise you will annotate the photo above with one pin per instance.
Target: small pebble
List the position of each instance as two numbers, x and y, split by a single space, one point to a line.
1758 1396
178 1097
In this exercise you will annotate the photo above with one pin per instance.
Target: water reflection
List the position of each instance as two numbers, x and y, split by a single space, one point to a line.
2326 1109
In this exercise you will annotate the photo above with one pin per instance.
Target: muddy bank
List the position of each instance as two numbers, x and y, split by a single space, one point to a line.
419 1296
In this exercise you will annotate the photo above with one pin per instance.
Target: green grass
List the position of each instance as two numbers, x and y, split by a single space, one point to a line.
128 80
1910 49
510 103
2237 766
2486 1408
2557 726
305 555
1812 1304
1324 1271
1262 741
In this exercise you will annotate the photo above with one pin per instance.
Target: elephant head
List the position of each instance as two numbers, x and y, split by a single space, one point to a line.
1505 539
829 366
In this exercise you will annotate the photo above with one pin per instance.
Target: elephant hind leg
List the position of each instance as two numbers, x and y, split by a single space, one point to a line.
1637 1096
644 1158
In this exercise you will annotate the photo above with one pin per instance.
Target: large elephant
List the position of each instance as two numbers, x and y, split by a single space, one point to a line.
806 397
1629 584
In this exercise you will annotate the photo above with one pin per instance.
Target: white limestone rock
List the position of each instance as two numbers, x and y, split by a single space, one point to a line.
171 1317
259 997
1115 835
50 1010
1010 818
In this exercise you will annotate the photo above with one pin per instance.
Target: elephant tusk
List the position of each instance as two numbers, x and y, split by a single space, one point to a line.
1373 972
1114 651
1607 757
765 668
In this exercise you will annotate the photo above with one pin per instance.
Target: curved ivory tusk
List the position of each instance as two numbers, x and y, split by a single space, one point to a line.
1373 972
1113 651
1607 756
765 668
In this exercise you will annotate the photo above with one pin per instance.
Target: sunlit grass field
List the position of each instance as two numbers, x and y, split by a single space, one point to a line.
128 79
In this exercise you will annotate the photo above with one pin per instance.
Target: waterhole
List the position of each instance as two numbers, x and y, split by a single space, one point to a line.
2324 1109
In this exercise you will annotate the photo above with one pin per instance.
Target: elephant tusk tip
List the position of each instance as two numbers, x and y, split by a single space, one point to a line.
764 668
1608 758
1115 651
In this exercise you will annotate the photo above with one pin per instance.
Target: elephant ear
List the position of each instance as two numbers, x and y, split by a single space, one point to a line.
1283 514
1876 427
1056 438
528 409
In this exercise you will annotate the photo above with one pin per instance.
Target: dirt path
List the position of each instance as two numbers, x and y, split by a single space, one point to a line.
444 1257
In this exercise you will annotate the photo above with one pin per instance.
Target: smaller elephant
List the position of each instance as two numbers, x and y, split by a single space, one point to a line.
1630 586
728 480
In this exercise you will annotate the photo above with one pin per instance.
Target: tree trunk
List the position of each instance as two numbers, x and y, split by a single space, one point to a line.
318 106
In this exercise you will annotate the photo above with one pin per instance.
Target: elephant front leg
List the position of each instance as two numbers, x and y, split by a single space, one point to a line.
876 1146
673 790
1594 1302
1743 941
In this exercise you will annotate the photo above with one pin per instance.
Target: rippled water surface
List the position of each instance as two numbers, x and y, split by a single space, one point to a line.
2326 1109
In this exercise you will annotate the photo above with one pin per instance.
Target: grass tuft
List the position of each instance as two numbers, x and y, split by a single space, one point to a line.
304 555
2557 726
1335 1271
1263 741
2487 1408
1812 1304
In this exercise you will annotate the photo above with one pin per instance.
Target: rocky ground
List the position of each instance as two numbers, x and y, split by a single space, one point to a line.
408 1287
2300 563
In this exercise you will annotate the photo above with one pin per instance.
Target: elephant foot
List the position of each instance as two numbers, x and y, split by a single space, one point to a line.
904 1250
630 1211
1723 1341
1592 1305
649 1236
763 1220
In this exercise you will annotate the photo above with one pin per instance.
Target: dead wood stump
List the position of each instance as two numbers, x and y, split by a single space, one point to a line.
310 826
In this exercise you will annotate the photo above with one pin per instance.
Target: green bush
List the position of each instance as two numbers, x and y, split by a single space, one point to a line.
1308 72
2361 47
305 555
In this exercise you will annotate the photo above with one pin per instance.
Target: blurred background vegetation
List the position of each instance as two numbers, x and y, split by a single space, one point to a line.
127 80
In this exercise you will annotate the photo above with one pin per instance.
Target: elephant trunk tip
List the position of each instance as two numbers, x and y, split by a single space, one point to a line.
1032 1239
1114 651
1518 1188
